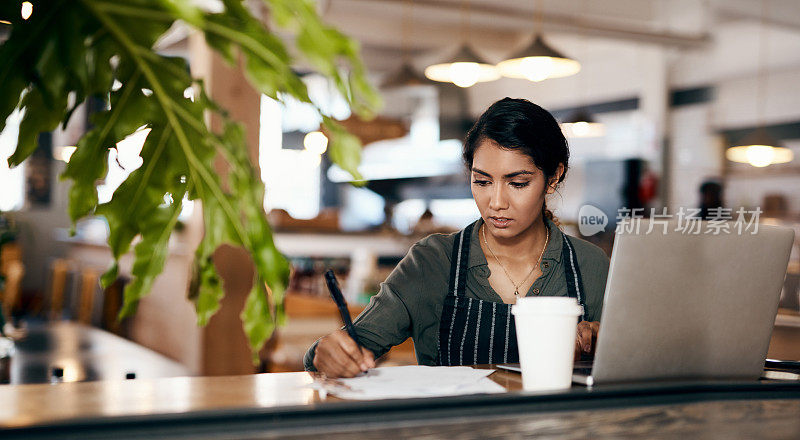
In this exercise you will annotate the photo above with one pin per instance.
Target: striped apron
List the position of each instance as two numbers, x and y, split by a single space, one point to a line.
473 331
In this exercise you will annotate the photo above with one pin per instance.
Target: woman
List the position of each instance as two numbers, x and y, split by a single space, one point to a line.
453 293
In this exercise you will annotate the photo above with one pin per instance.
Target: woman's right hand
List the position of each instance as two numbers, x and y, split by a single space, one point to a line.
338 355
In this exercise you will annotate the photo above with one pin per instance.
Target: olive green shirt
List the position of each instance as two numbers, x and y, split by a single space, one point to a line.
410 301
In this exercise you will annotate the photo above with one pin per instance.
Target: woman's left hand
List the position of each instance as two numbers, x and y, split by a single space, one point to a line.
586 338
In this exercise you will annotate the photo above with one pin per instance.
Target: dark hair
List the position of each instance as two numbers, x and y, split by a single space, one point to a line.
711 185
518 124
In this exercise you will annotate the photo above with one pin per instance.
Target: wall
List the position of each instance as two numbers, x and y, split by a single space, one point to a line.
38 226
696 153
729 65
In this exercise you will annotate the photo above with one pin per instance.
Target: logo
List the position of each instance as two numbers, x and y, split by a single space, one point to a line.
591 220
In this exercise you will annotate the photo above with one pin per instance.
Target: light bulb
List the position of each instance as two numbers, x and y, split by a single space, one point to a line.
580 129
27 10
464 74
315 142
537 68
760 155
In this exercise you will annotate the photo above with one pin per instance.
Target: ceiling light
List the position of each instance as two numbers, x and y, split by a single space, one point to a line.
582 125
464 69
759 150
538 62
27 10
406 75
315 142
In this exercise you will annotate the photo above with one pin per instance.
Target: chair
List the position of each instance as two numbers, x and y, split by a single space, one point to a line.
84 285
112 304
13 271
89 284
59 270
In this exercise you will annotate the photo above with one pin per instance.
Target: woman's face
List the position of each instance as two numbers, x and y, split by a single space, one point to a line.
508 189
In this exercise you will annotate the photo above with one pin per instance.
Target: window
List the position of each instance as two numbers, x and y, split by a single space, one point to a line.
124 160
290 172
12 181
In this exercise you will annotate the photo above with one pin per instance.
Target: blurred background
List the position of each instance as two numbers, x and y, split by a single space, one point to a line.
659 99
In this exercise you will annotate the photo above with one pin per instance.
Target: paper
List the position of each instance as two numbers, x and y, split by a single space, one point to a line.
413 381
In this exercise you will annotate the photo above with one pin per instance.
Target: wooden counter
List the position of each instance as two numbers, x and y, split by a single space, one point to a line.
282 405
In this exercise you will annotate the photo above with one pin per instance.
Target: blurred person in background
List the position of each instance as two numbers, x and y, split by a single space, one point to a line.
710 199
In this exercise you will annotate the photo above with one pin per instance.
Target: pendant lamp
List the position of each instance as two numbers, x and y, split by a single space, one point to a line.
538 62
463 69
759 150
406 75
582 125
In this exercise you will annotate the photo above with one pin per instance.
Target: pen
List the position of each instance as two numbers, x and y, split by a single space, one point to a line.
338 298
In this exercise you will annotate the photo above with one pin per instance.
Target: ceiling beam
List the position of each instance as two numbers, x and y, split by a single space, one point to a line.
518 19
790 24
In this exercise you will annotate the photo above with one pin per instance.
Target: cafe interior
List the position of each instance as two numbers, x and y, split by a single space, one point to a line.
666 105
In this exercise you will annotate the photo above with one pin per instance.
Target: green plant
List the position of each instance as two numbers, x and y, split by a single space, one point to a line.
69 50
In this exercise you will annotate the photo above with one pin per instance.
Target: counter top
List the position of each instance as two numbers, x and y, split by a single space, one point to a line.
282 404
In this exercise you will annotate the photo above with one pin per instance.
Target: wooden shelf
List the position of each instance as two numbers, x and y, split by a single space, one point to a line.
298 305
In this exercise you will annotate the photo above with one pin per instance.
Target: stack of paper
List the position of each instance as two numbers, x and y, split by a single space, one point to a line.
413 381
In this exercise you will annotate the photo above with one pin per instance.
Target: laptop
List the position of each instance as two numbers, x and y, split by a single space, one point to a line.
685 306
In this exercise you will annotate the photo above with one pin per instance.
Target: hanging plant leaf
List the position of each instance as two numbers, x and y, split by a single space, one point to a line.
71 50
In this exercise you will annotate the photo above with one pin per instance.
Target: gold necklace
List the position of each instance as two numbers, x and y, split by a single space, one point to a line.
516 286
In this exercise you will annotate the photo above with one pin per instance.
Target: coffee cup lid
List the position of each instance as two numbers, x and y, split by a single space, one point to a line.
551 305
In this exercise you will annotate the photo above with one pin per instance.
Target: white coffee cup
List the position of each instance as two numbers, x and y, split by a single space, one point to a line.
546 330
